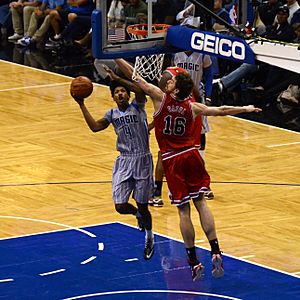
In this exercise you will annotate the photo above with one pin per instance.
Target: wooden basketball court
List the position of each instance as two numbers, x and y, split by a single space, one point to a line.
55 172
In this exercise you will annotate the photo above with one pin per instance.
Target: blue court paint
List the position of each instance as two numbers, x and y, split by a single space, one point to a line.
72 266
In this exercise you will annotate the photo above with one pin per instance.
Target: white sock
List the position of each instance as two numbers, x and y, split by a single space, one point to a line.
202 153
57 36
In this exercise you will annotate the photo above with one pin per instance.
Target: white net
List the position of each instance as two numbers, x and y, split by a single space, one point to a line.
148 66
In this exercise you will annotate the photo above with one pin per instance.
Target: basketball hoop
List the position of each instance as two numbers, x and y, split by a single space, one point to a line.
148 66
140 31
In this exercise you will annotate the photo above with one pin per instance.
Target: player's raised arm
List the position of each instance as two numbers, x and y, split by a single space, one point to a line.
153 91
201 109
94 125
139 93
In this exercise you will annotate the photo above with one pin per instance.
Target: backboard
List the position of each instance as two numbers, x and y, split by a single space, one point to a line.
110 36
112 40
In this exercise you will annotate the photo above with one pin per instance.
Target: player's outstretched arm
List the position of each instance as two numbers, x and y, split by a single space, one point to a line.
139 93
153 91
125 67
225 110
94 125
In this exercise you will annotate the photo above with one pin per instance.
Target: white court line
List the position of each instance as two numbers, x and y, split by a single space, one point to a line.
34 86
102 85
263 124
50 222
6 280
47 72
163 235
282 145
88 260
131 259
152 291
53 272
34 69
100 246
200 241
228 255
297 273
51 231
246 256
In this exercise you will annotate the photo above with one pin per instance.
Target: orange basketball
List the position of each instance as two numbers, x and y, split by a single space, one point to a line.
81 87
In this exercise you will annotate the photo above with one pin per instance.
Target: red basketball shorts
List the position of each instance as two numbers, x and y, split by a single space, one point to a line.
186 174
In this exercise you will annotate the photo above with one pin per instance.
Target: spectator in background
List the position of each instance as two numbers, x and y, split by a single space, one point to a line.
62 18
276 79
296 27
21 12
290 96
164 12
5 18
232 7
115 15
134 11
187 16
206 19
222 13
281 30
293 6
116 21
296 17
266 15
41 16
196 16
74 30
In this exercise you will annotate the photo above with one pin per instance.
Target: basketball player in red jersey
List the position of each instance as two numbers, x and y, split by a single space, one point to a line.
174 122
167 74
157 200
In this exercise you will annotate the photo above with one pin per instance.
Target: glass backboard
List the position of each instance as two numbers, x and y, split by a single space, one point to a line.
132 27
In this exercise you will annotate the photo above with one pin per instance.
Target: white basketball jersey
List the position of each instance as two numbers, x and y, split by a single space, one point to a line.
194 64
131 128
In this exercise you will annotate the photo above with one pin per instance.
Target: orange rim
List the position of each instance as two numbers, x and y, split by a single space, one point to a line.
142 29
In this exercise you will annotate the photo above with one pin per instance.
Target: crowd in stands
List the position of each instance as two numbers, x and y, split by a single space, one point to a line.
261 82
56 24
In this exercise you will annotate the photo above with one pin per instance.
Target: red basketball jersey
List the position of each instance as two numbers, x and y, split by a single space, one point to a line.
198 121
174 124
175 70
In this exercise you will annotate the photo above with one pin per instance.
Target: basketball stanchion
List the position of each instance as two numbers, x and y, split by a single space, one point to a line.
148 66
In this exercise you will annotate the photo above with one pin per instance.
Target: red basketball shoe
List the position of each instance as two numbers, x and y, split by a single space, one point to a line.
218 269
197 272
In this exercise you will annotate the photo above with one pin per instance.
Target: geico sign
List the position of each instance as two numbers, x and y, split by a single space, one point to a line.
216 45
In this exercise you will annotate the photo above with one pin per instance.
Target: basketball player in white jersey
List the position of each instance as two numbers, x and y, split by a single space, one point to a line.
133 168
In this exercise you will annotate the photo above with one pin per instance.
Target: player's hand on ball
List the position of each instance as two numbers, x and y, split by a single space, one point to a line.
81 87
77 99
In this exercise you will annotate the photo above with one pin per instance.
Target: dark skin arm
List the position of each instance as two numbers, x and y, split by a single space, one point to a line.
94 125
153 91
139 94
